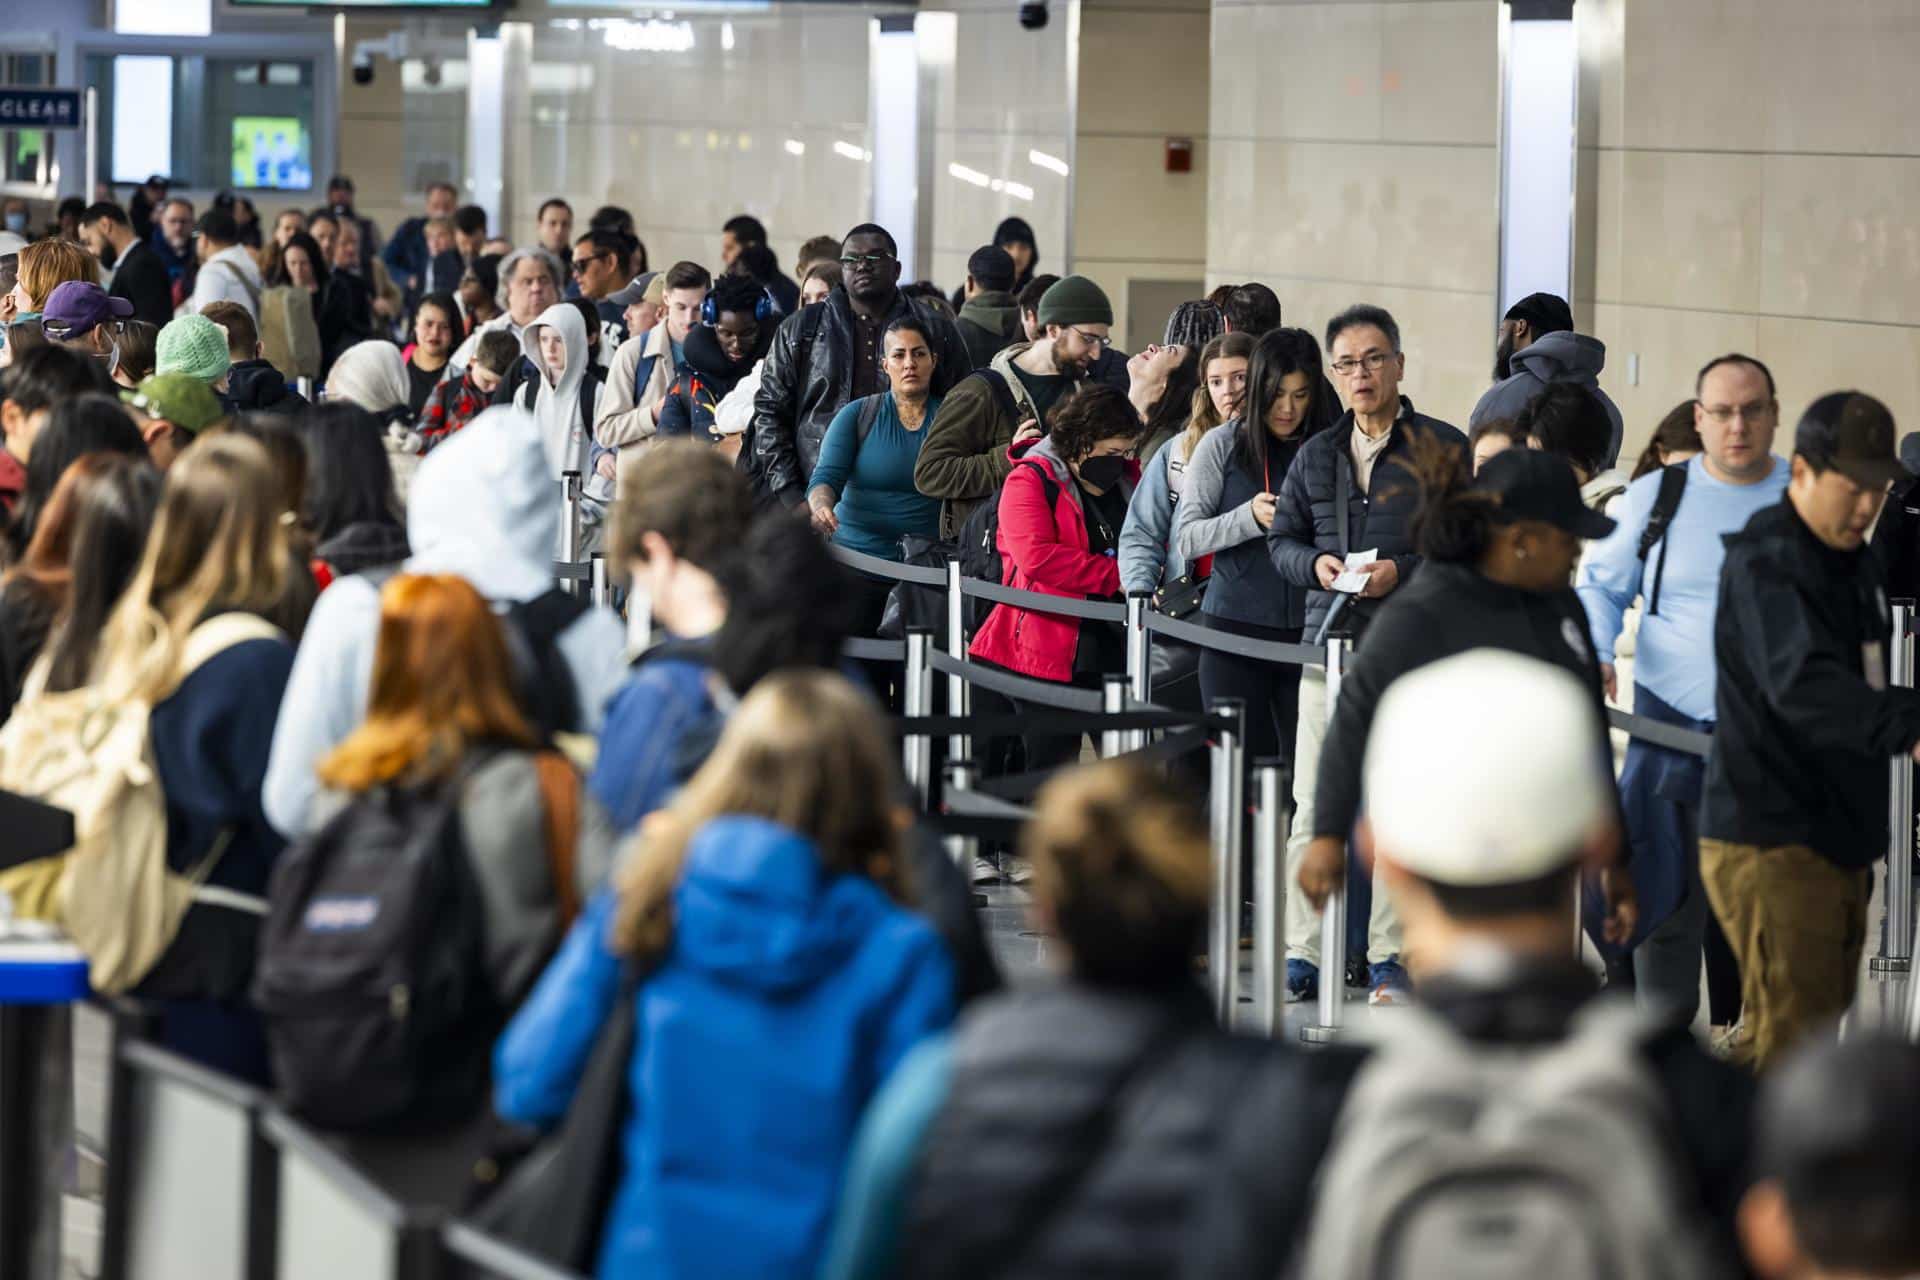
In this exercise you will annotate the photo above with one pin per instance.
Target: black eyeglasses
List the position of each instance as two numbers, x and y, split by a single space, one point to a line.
868 259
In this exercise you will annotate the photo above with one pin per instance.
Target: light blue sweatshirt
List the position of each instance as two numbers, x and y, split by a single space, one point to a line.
482 506
1675 656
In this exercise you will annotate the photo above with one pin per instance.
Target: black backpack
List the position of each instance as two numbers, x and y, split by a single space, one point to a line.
371 976
541 674
980 540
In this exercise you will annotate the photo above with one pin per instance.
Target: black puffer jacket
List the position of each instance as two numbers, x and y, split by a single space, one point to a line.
801 391
256 385
1380 519
1031 1070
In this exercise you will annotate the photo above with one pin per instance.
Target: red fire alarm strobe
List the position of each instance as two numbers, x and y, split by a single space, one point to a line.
1179 155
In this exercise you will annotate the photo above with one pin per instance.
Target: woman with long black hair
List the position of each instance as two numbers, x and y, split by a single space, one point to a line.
1225 510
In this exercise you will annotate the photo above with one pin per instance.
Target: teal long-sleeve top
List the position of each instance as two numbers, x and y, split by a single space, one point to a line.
874 479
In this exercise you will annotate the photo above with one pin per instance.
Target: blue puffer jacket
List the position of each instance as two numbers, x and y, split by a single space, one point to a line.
787 997
1380 519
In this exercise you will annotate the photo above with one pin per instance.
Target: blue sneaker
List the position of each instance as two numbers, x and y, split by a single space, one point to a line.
1303 981
1389 983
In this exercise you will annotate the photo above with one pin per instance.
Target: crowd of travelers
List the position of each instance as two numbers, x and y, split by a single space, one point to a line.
648 958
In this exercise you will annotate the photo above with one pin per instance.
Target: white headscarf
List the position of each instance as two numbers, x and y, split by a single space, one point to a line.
556 402
370 374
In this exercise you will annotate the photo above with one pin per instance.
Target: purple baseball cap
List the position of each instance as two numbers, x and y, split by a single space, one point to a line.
75 307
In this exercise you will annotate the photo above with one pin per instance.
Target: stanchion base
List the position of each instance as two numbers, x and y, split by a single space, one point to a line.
1888 967
1319 1035
979 899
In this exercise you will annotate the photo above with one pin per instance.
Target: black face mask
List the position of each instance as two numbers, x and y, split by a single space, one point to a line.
1103 471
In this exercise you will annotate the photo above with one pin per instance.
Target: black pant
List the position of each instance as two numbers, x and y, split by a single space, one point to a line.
1271 690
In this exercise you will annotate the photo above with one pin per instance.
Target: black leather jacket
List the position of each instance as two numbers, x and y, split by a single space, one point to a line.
800 392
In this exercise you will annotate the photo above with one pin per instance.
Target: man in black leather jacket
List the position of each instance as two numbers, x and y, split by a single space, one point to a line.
829 354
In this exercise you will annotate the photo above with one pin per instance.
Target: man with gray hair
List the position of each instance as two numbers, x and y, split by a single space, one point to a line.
530 282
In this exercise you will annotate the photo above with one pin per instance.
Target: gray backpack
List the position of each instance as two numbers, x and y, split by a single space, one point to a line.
1455 1159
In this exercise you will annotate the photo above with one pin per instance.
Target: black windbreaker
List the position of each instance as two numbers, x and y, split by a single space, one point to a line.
1801 739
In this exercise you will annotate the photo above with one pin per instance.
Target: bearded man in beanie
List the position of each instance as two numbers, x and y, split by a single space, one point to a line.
964 459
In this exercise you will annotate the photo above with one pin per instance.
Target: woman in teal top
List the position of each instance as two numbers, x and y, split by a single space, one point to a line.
862 493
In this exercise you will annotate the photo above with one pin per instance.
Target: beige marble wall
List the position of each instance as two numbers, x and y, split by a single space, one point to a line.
1143 71
1352 157
1755 173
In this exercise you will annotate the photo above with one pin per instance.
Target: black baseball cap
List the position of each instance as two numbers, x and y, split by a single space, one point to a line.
1852 433
1533 485
1545 312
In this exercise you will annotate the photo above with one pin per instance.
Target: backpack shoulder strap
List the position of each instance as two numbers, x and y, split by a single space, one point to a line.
1673 487
1002 393
560 805
1342 494
222 632
246 285
1048 485
811 318
868 414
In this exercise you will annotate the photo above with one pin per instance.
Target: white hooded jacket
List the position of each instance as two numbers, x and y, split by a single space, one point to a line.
483 508
564 431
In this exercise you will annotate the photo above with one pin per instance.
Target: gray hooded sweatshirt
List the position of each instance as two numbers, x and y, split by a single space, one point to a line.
1557 357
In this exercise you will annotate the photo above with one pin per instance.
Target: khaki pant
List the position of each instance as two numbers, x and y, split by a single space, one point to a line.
1797 923
1303 922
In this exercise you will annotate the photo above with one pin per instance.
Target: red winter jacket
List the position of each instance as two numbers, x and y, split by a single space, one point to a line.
1044 548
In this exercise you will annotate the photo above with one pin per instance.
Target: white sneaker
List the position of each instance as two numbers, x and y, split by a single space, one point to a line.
984 872
1018 871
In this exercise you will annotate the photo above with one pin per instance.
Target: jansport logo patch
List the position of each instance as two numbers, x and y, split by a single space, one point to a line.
338 915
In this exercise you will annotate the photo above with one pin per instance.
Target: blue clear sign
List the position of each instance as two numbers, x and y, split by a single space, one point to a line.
40 109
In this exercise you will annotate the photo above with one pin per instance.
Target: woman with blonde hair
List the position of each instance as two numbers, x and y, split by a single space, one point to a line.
200 633
1064 1129
45 265
783 982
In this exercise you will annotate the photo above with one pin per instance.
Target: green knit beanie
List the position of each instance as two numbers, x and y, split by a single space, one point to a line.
193 345
1075 300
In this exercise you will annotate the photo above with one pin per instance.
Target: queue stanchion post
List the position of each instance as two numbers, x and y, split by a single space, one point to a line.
1896 934
959 695
601 586
917 749
1224 813
1333 921
1269 897
1139 658
570 526
960 776
1113 701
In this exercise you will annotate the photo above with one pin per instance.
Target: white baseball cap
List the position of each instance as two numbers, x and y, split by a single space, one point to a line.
1486 768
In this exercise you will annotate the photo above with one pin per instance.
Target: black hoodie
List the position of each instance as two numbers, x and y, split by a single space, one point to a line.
254 385
1801 736
705 380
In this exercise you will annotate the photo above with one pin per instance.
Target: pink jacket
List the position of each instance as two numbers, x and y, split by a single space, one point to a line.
1043 548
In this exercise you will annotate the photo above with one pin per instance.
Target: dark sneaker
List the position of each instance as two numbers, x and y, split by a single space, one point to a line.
1303 981
1357 973
1389 983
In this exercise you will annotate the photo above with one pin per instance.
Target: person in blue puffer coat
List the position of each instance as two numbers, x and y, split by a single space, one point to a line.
785 980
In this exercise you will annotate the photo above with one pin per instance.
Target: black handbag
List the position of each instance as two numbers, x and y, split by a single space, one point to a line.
553 1201
1181 597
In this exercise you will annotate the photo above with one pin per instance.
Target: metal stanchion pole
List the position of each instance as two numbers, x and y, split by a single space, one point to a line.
1113 701
917 749
1139 658
1224 809
1333 921
570 526
1896 934
601 585
962 849
959 693
1269 898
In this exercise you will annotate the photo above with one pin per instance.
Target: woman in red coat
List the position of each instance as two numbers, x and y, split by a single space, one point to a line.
1061 510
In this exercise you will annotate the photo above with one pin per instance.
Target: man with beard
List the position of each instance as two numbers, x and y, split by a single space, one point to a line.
1537 346
828 354
138 274
173 241
964 459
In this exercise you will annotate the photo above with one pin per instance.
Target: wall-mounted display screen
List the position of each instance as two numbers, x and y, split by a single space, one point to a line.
271 152
365 4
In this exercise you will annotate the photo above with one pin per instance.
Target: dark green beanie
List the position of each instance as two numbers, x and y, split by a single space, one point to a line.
1075 300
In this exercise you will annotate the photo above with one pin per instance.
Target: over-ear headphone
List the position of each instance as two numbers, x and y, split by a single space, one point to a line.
764 308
